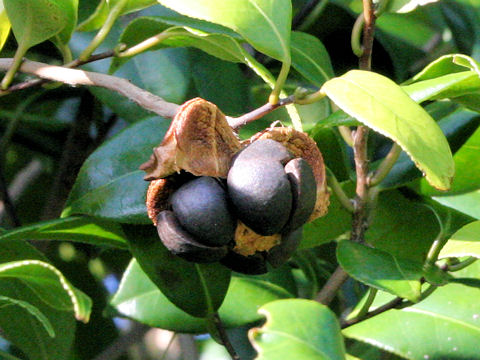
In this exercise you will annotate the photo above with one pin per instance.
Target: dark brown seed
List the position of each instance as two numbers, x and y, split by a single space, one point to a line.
183 244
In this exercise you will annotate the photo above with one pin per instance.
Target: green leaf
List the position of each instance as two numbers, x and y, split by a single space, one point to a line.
327 228
50 285
4 25
301 327
402 227
380 269
109 185
264 24
34 311
34 21
465 242
457 126
178 279
17 323
467 168
222 46
446 325
140 299
445 65
403 6
380 104
76 228
310 58
467 203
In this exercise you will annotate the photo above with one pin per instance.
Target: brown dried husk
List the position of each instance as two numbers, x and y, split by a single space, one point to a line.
201 142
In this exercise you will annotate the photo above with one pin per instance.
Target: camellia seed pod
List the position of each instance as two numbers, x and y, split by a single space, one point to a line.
200 145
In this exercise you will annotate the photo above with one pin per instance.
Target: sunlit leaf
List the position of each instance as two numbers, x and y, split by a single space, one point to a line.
380 104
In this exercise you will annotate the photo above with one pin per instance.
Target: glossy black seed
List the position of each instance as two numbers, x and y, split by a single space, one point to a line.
280 253
183 244
251 265
202 209
304 191
264 149
261 195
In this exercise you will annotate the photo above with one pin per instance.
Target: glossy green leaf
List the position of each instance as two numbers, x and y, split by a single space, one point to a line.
327 228
465 242
109 184
403 6
132 5
96 19
467 168
380 269
34 311
34 21
467 203
4 25
83 229
380 104
446 325
446 86
301 327
140 299
178 279
457 126
310 58
444 65
17 323
220 45
264 24
402 227
50 285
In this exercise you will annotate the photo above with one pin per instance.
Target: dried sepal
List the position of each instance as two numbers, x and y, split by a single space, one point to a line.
301 145
199 141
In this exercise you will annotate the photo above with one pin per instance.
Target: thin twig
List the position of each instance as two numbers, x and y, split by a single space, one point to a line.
7 201
224 337
75 63
77 77
381 309
329 290
360 136
236 123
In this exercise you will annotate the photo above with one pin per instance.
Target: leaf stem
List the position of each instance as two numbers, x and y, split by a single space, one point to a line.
338 191
438 243
385 166
282 76
462 265
17 61
114 13
372 293
346 134
355 42
310 98
147 43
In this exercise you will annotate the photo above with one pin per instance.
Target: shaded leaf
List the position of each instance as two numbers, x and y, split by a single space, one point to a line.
178 279
34 21
380 269
76 228
403 6
140 299
18 325
310 58
446 325
34 311
50 285
109 184
301 327
380 104
264 24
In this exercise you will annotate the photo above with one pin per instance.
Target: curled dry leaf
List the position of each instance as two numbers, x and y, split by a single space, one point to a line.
199 141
